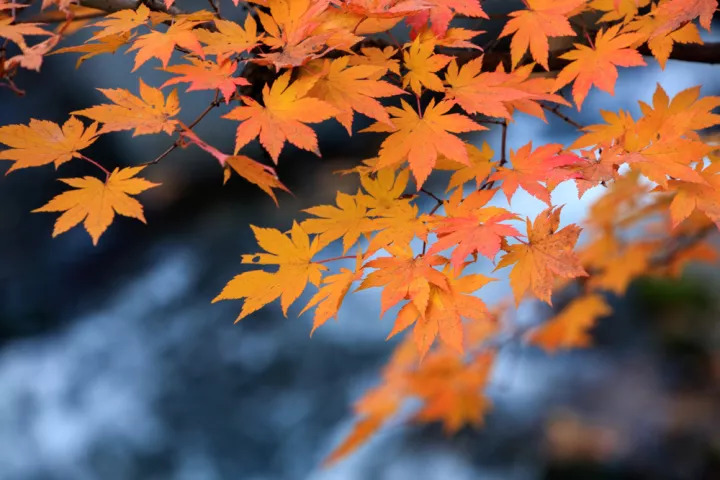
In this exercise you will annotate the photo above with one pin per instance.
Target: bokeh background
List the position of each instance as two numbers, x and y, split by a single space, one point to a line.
114 364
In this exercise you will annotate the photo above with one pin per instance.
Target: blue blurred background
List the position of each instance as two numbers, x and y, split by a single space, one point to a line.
114 364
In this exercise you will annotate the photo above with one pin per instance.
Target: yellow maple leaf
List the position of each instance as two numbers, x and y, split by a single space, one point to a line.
292 254
422 64
42 142
348 220
161 45
149 113
420 139
121 22
95 202
230 38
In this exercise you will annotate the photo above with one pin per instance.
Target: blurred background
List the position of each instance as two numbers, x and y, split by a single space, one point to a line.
114 364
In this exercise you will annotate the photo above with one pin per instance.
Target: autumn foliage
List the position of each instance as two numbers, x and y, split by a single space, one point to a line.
286 66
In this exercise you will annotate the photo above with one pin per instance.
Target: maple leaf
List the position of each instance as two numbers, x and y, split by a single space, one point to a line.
405 276
618 9
378 404
495 94
31 58
378 58
330 296
292 253
597 65
120 22
290 28
207 75
679 12
569 328
149 113
422 64
532 27
683 115
441 12
351 89
161 45
593 170
230 38
284 115
452 390
670 157
256 173
446 307
384 190
95 202
530 169
17 32
42 142
624 265
107 44
470 226
691 196
384 8
481 165
420 139
547 254
347 221
661 45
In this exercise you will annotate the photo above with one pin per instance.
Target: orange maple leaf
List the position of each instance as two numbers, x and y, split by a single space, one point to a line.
452 391
149 113
441 12
547 254
207 75
420 139
532 27
530 169
42 142
284 115
95 202
161 45
290 28
351 89
384 8
292 253
405 276
569 328
596 65
471 227
495 94
446 306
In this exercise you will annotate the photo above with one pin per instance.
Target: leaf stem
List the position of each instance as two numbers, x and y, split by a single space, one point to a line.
334 259
90 160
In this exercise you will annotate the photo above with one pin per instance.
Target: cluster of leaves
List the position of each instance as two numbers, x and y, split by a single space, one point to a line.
329 59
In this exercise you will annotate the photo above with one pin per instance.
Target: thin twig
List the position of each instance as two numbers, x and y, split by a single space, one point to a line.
555 110
178 142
